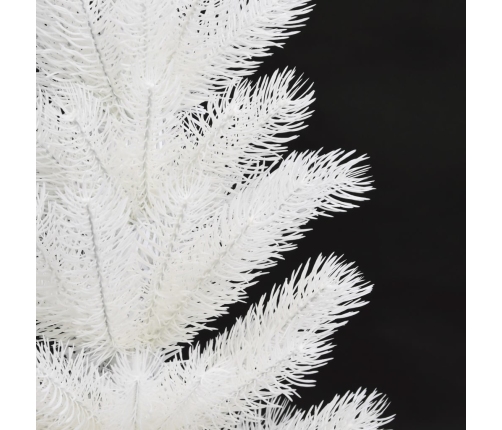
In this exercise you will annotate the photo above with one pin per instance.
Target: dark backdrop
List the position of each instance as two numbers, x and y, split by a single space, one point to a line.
389 77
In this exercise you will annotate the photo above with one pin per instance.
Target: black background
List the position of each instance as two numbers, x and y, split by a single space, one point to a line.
389 77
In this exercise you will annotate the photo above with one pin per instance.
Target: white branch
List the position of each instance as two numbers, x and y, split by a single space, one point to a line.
351 411
278 343
253 230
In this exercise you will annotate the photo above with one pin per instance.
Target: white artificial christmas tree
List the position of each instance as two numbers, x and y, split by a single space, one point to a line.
164 192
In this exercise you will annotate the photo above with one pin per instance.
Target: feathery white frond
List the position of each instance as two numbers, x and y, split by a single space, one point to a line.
282 340
219 38
250 232
68 389
75 134
136 392
89 243
245 126
68 50
353 411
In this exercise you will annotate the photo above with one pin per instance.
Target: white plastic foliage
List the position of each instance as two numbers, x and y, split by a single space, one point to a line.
163 194
88 243
352 411
282 339
253 229
68 389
